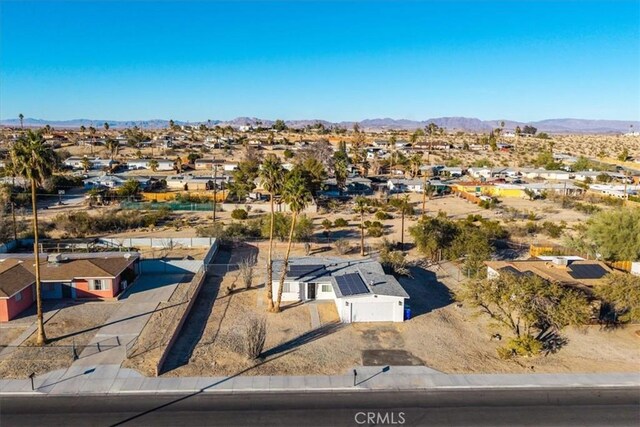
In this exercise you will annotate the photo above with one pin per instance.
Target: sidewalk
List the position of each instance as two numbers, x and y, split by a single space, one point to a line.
113 380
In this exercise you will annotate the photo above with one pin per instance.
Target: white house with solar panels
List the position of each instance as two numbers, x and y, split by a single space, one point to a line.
360 289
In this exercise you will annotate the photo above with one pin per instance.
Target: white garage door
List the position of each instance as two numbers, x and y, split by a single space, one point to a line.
372 312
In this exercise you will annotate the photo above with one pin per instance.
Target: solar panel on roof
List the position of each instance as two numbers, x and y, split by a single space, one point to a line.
351 284
302 270
587 271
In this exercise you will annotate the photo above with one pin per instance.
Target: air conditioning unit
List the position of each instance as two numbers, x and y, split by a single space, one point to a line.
561 261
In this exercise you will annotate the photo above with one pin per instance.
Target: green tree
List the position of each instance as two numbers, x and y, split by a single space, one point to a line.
433 234
21 117
130 188
616 234
624 155
530 307
106 126
621 292
34 160
86 164
296 194
271 180
153 165
279 125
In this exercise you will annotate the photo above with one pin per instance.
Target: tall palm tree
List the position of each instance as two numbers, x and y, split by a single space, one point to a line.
361 207
92 132
271 180
296 194
112 146
405 208
21 117
34 160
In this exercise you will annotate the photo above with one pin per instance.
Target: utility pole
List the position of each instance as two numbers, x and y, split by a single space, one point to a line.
215 188
13 215
424 194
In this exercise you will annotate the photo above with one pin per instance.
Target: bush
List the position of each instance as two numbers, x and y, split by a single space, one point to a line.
343 246
552 229
341 222
520 346
382 215
239 214
255 335
393 261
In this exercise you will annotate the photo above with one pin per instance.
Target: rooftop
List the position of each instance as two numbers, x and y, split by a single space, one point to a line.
334 270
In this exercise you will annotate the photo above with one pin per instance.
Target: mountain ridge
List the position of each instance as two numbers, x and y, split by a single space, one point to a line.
454 123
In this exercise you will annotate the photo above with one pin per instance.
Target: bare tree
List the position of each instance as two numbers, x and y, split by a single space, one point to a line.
255 335
246 271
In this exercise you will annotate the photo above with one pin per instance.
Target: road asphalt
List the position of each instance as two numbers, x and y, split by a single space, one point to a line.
471 407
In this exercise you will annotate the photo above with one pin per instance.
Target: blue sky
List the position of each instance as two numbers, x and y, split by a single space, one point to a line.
199 60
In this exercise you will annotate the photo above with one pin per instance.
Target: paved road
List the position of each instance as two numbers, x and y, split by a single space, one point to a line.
558 407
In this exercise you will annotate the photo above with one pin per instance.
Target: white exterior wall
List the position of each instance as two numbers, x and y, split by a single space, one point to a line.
324 295
635 268
294 295
388 308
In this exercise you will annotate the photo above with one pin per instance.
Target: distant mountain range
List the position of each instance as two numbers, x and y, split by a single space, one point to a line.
468 124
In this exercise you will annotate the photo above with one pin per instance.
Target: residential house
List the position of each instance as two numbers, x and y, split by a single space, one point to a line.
71 276
360 289
163 164
566 271
114 181
76 162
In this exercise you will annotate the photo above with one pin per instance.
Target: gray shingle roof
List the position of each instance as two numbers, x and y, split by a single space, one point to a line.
371 272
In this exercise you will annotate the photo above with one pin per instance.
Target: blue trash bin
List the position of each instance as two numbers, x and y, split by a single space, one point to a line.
407 312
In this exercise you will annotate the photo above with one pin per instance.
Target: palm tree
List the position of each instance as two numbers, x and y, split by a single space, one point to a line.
295 193
271 179
92 132
112 146
21 117
86 164
34 161
106 126
361 207
153 165
82 128
405 208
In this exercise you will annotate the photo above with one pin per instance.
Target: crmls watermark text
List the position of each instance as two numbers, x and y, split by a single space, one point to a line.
379 418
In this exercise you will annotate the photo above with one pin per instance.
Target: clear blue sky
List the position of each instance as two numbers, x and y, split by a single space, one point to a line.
198 60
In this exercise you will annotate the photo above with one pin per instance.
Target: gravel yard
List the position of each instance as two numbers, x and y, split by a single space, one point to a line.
441 335
75 324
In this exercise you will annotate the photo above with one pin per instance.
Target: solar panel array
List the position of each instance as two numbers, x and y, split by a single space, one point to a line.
298 271
351 284
587 271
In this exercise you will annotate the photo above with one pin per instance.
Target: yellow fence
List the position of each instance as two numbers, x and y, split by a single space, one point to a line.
167 196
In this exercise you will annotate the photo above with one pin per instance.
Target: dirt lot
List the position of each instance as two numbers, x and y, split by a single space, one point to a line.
440 335
75 324
147 350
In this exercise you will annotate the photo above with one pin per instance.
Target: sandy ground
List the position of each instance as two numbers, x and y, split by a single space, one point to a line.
441 335
145 354
76 325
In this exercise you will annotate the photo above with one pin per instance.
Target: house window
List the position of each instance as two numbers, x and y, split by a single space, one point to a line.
48 287
98 285
326 288
286 287
19 296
